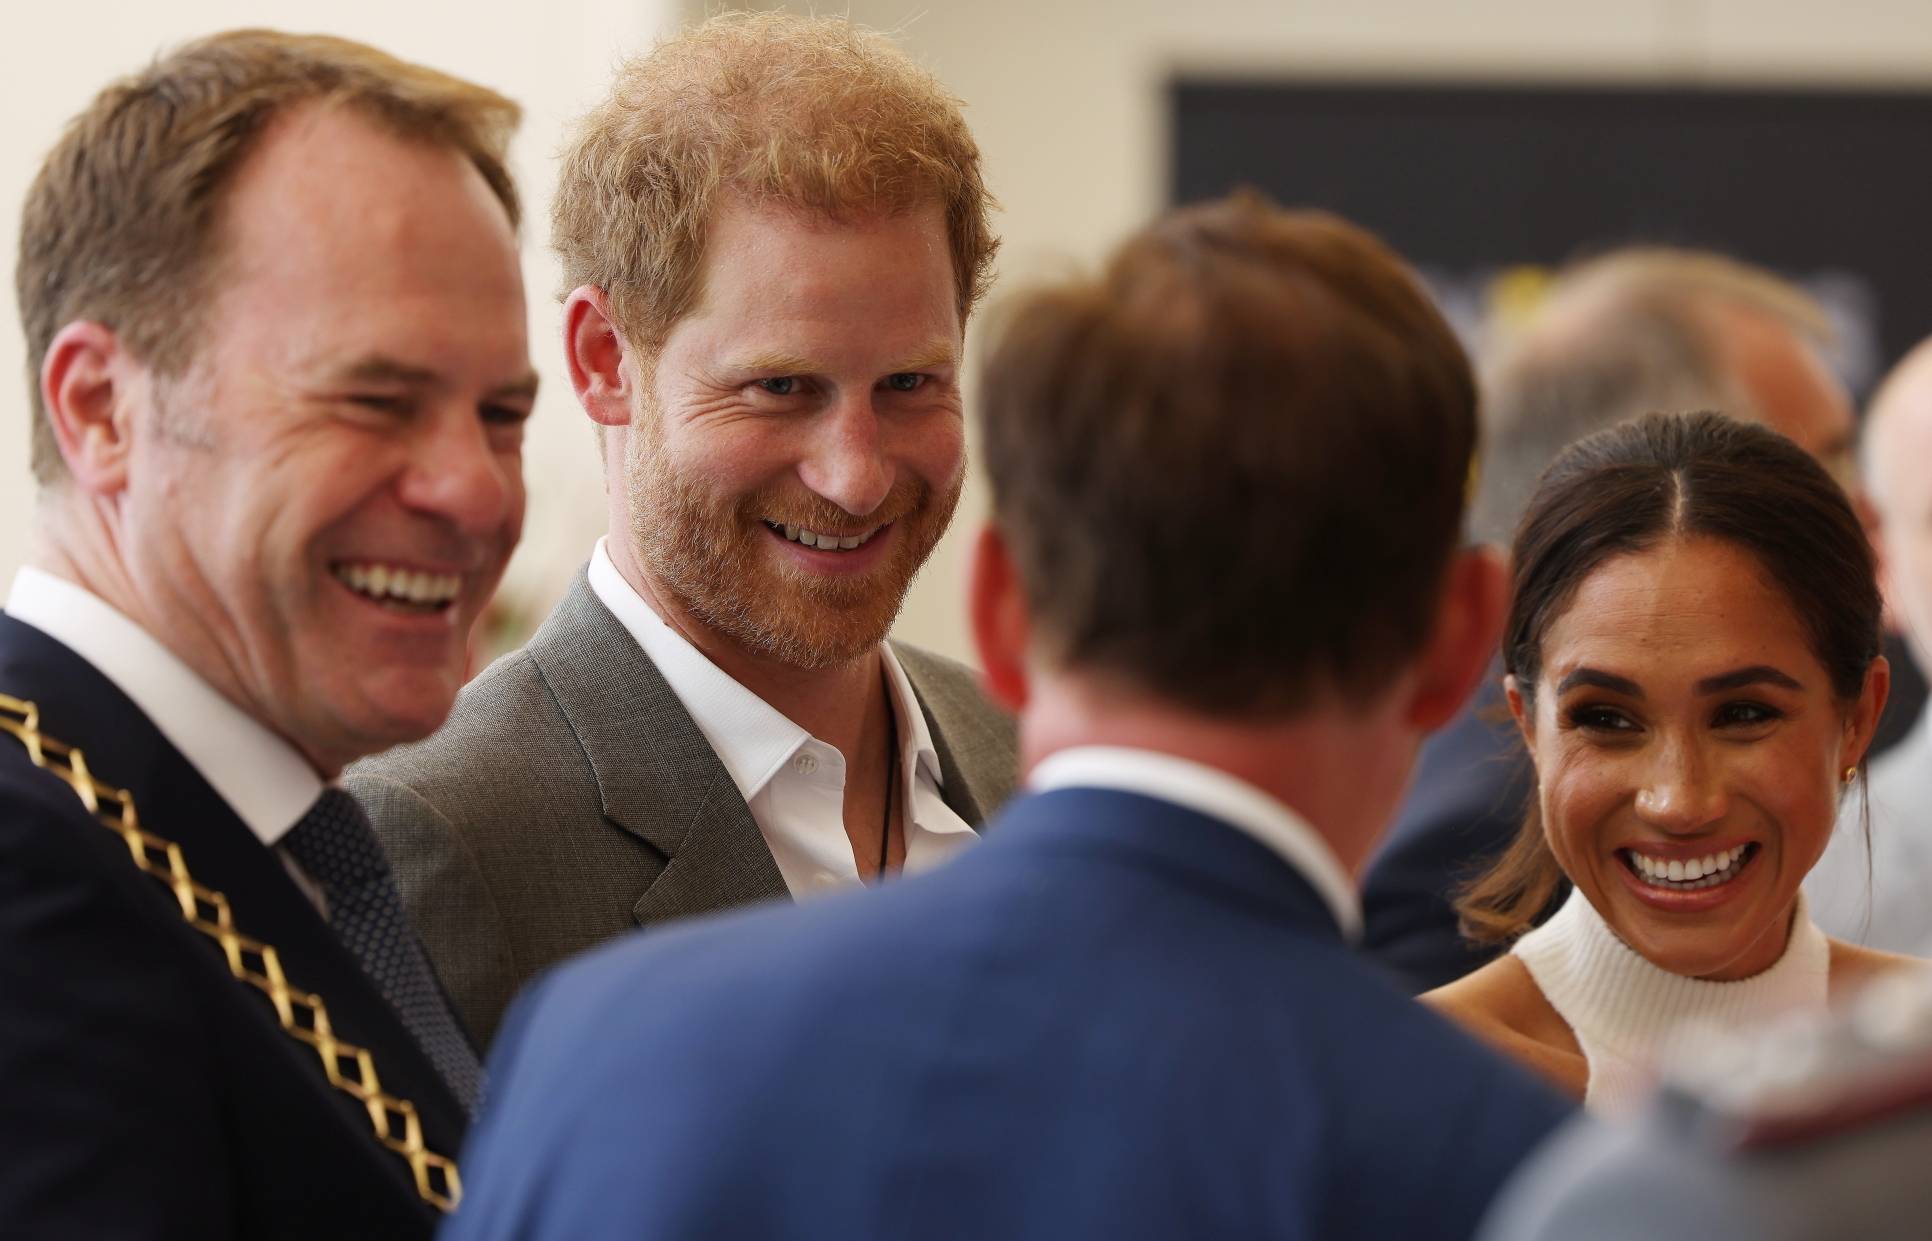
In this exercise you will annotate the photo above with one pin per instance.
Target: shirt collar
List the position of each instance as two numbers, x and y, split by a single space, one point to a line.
264 779
1218 795
752 738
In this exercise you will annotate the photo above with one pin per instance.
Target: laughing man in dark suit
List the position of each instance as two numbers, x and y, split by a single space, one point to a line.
276 319
1223 592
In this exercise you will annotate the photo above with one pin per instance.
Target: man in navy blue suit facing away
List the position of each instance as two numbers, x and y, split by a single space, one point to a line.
1222 590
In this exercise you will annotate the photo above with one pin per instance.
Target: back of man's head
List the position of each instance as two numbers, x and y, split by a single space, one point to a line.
1642 330
811 113
121 226
1230 470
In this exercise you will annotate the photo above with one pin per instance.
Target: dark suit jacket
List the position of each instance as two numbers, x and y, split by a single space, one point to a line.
1115 1018
571 797
147 1092
1465 803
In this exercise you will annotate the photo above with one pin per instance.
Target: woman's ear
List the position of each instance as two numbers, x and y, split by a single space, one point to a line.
1520 709
1862 723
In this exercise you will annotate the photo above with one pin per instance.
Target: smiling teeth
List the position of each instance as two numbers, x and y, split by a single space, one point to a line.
826 542
393 583
1704 872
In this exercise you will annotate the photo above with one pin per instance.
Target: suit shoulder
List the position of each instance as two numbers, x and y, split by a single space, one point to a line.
951 692
39 814
490 727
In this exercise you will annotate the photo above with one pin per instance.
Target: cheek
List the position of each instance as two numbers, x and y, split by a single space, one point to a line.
935 449
1580 792
731 462
1795 786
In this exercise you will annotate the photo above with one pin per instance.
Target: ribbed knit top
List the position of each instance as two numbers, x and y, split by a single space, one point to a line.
1629 1015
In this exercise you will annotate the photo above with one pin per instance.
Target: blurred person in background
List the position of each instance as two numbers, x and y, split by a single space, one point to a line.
1632 332
773 230
1693 660
1874 885
1134 1011
276 322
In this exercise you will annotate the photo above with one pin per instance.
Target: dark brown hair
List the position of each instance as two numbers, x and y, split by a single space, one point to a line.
1629 489
120 226
1231 468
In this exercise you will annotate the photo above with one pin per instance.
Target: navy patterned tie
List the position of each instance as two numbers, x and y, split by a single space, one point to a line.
334 845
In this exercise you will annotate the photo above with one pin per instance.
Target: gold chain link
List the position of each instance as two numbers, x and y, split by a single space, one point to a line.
349 1068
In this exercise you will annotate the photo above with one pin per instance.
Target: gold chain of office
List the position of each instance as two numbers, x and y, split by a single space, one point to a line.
349 1068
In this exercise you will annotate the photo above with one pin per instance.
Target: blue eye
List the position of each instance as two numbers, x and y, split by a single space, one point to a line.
782 385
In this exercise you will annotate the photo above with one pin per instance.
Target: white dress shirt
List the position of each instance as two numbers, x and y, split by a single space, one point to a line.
264 779
1218 795
793 783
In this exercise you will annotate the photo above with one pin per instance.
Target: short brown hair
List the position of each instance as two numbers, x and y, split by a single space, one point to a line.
1632 488
1231 468
807 112
120 225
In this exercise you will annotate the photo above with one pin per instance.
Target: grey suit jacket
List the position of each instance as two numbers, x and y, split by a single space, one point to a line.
571 797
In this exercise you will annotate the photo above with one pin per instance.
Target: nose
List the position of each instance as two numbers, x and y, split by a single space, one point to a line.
1680 792
847 462
457 474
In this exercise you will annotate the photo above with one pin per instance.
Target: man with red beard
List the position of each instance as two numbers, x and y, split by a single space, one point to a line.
773 230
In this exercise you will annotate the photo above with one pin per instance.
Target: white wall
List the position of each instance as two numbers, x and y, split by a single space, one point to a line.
1065 96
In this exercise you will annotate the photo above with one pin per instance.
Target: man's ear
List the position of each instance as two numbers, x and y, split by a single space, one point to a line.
1462 642
594 353
997 609
86 383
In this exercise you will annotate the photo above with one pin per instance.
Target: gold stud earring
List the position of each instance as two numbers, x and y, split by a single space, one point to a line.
1851 773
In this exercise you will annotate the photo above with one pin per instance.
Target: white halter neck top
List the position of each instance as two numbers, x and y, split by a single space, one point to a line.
1629 1015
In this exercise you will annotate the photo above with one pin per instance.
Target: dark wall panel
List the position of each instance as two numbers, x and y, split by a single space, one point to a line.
1831 188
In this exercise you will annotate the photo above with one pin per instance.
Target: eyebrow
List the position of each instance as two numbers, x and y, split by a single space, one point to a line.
385 370
936 353
380 369
524 385
1600 680
1755 674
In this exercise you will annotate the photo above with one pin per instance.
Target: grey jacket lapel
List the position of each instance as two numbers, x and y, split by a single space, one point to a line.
657 777
975 742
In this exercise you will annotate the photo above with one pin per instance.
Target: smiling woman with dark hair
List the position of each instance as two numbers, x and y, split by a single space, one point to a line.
1692 652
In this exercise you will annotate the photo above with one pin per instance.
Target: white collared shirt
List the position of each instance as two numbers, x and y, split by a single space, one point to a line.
263 778
1218 795
793 783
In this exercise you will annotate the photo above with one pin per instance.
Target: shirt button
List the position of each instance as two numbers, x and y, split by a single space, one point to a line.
805 764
